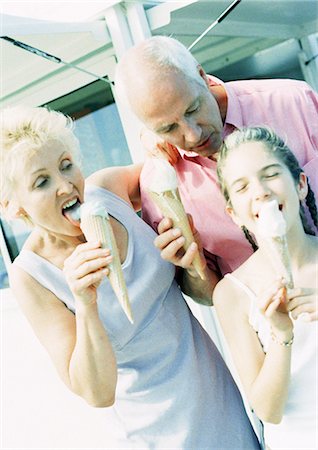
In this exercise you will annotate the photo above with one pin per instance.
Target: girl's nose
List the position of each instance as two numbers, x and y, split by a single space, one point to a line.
260 190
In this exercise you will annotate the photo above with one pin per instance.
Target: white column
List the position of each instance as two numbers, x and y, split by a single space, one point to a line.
127 28
308 59
138 23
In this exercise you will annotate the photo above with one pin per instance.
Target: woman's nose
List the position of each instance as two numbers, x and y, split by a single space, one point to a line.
64 186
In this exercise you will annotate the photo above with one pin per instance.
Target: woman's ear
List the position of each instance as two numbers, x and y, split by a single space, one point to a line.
302 186
12 210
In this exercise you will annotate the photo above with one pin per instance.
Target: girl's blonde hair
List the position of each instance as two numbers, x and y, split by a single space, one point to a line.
25 130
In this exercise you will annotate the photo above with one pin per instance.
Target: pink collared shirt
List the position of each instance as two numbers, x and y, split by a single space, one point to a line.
290 108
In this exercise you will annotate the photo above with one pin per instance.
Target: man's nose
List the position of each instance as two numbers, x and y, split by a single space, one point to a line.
192 133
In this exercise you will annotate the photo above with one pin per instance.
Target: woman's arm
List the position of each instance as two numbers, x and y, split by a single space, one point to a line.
265 377
122 181
78 345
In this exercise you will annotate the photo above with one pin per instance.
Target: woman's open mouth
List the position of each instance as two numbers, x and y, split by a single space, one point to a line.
70 211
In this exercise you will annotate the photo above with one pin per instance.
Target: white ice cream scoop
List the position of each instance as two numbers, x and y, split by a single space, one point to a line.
271 231
271 222
164 177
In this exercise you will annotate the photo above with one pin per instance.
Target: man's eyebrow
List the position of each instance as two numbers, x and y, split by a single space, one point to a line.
194 103
163 128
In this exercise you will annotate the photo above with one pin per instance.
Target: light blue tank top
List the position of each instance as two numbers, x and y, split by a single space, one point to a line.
174 390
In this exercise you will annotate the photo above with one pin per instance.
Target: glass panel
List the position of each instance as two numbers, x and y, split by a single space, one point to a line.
102 140
4 283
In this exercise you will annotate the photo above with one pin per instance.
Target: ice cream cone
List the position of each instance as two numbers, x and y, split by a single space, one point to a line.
272 234
277 250
96 226
170 205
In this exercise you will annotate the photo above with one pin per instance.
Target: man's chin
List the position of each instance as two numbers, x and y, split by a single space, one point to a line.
207 152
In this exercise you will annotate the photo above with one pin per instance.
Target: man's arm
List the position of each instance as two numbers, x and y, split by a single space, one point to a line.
170 243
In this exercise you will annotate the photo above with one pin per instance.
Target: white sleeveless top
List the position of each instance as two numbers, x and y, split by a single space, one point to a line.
174 390
299 426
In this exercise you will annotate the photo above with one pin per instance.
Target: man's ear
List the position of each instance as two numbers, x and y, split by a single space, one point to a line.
302 186
203 75
233 216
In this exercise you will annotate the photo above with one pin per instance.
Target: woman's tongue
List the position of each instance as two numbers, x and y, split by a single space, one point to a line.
73 215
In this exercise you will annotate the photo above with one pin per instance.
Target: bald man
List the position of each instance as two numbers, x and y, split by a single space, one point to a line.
187 114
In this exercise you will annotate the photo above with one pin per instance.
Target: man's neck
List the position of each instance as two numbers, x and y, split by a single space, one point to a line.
221 97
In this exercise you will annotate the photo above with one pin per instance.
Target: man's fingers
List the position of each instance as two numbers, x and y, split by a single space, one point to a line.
171 252
164 225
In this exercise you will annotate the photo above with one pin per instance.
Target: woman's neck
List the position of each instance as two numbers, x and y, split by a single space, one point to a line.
49 245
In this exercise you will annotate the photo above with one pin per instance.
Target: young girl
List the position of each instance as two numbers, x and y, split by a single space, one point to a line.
274 348
165 380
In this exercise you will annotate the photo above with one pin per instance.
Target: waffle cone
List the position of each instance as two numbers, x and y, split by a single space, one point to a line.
277 250
99 228
170 205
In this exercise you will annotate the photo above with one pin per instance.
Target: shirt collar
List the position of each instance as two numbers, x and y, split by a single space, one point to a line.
234 114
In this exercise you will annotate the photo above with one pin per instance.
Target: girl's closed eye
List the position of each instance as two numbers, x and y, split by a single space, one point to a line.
272 174
240 187
271 171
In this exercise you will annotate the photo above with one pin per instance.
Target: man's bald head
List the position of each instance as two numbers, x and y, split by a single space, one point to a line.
144 65
168 91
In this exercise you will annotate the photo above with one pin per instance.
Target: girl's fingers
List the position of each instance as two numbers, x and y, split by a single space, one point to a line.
272 307
164 225
269 295
303 300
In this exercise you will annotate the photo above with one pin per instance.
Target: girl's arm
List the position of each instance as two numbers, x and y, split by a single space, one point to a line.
265 377
77 344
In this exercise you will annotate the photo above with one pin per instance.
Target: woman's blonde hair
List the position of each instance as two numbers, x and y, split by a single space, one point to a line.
25 130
